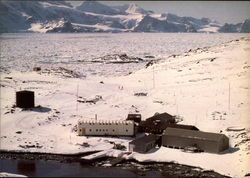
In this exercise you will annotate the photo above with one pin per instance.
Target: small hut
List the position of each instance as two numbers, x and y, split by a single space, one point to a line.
25 99
143 144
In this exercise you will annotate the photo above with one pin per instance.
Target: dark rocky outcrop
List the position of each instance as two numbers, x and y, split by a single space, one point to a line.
245 28
230 28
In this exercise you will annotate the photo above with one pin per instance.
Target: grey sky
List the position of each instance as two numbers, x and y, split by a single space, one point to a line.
222 11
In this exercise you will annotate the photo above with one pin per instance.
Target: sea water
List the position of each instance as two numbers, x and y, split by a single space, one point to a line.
75 51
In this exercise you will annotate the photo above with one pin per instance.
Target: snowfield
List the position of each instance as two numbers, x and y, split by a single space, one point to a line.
208 87
5 174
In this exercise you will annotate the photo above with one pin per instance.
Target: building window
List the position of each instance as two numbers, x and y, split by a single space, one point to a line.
126 130
100 130
90 130
89 123
106 130
113 130
97 130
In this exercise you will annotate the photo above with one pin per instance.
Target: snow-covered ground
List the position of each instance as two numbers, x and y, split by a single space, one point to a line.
208 87
6 174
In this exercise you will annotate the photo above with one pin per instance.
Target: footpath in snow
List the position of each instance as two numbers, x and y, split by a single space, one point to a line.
207 87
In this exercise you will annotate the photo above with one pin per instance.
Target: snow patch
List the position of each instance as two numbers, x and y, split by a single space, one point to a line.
5 174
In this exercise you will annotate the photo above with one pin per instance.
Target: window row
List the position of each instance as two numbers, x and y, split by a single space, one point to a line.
99 130
102 130
102 123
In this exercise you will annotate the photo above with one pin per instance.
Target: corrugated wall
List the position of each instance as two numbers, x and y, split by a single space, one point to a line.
182 142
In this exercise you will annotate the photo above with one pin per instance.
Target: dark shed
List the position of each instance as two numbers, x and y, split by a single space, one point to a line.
25 99
157 123
134 117
164 117
143 144
204 141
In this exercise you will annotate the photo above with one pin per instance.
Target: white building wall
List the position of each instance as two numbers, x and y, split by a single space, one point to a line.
100 127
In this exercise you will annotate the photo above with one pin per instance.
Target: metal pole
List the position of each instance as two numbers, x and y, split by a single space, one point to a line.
229 96
153 77
196 120
77 89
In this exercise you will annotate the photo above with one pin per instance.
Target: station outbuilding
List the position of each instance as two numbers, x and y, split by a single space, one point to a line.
143 144
203 141
157 123
106 128
25 99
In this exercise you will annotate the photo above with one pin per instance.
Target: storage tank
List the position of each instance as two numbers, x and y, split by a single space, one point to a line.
25 99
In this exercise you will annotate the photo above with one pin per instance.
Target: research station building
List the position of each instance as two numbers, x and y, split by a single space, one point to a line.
144 144
105 128
203 141
157 123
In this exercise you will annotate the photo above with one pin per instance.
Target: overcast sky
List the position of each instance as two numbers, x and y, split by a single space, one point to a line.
222 11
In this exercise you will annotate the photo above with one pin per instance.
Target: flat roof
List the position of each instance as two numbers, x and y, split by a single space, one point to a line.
106 121
182 126
144 139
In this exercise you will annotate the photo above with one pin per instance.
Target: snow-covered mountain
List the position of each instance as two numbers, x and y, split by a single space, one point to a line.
20 16
98 8
230 28
93 16
133 8
243 27
151 24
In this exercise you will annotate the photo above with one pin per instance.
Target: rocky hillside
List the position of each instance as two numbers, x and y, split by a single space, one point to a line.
235 28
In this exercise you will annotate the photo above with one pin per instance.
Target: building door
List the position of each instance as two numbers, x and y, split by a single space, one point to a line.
83 131
131 147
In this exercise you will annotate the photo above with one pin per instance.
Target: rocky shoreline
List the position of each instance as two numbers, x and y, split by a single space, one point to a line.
166 169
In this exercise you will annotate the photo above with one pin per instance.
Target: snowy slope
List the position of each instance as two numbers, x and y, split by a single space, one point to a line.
208 87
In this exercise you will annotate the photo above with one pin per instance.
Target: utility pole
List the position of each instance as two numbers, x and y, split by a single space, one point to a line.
77 89
229 96
196 120
153 77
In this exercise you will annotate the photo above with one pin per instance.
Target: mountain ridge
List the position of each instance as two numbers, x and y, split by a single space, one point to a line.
93 16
